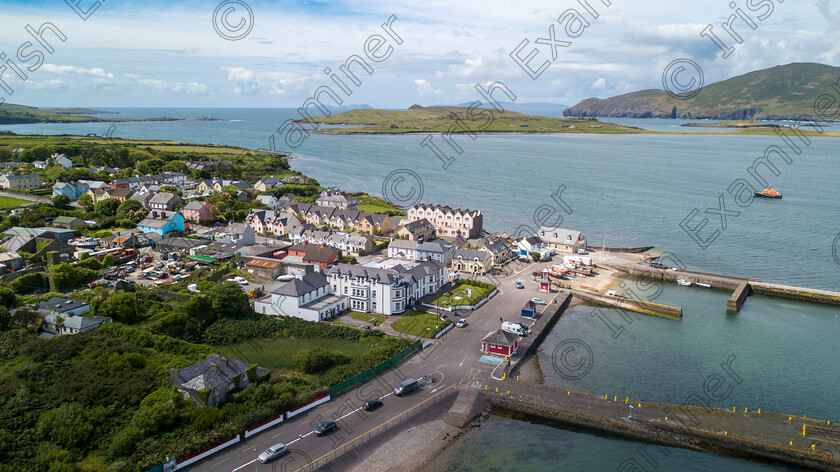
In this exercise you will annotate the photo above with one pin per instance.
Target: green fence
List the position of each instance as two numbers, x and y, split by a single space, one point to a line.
357 379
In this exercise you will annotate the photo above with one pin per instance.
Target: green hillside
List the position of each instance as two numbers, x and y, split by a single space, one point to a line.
781 92
11 114
419 119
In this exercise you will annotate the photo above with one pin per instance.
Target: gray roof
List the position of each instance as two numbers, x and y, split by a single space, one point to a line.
434 246
471 254
558 235
387 276
81 323
60 305
499 337
194 205
297 287
163 197
211 372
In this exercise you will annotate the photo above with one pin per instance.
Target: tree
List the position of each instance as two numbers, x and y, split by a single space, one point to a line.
228 300
27 318
127 207
536 256
7 297
108 261
61 201
67 426
107 207
150 166
5 318
86 202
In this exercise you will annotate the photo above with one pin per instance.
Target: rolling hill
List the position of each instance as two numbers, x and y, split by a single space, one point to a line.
779 93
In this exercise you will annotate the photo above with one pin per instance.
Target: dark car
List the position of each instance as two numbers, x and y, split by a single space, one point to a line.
372 404
325 427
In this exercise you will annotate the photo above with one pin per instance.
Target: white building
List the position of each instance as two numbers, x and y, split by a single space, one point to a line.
563 240
269 201
449 221
437 250
388 289
340 201
310 298
62 160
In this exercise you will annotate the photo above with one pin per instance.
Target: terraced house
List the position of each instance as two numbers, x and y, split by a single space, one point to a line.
448 221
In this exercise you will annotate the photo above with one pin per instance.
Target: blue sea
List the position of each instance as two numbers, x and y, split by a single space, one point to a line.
620 191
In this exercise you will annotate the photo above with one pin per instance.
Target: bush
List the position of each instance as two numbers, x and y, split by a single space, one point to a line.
61 201
313 361
7 297
29 283
66 426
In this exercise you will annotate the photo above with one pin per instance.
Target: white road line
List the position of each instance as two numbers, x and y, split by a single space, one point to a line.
244 465
217 463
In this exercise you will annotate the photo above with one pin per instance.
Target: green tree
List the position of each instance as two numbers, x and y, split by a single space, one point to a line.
66 425
122 306
86 202
536 256
5 318
27 318
228 300
150 166
127 207
107 207
61 201
7 297
108 261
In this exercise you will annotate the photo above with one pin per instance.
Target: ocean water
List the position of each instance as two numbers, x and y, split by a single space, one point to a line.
620 190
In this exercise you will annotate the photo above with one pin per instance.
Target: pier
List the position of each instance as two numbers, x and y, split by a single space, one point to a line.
736 432
638 306
540 328
738 297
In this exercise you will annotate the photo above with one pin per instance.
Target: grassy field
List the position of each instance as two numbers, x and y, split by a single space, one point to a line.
9 202
463 120
449 297
419 323
357 315
277 353
371 204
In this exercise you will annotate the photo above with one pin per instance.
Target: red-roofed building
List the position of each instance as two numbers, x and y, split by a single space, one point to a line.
318 254
500 342
265 267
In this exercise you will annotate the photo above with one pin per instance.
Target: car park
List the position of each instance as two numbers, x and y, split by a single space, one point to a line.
461 323
275 451
325 427
372 404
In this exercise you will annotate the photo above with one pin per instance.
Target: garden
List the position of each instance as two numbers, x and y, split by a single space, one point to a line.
464 292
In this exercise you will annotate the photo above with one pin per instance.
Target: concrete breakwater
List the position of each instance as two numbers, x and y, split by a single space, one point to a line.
639 306
739 432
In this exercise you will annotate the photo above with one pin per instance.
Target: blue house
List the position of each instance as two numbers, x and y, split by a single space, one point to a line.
162 222
72 190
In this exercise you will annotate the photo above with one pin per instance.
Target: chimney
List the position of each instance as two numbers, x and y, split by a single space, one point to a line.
154 214
214 367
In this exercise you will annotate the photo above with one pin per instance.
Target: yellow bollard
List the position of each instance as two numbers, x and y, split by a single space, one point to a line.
517 378
508 392
497 389
626 400
568 393
640 405
813 446
745 409
615 398
791 443
803 430
666 418
605 396
726 433
733 409
790 418
486 387
759 411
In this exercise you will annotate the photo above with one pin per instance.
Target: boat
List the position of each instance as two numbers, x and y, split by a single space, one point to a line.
703 285
85 243
684 283
768 193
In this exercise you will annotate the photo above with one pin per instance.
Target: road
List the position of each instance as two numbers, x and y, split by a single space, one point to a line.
452 359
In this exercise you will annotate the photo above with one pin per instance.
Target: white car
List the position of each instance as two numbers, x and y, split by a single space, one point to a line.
275 451
539 301
461 323
240 280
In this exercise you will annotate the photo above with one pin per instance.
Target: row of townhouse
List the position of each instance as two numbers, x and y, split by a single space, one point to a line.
449 221
343 220
177 179
20 182
345 242
273 222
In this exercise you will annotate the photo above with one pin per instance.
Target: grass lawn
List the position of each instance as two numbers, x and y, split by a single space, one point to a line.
366 317
371 204
449 298
9 202
419 323
277 353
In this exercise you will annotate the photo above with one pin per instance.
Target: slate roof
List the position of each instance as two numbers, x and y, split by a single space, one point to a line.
558 235
297 287
211 372
471 254
60 305
499 337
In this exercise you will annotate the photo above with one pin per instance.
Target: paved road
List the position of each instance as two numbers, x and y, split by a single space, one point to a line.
452 359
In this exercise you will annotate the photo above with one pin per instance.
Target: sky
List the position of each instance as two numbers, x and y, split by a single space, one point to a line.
119 53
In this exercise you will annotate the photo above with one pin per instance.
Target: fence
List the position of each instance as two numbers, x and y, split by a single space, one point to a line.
444 330
201 455
395 421
307 406
359 378
263 427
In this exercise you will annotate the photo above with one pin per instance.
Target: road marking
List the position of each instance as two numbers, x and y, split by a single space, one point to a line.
217 463
244 465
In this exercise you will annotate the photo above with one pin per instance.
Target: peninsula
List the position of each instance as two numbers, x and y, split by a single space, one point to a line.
11 114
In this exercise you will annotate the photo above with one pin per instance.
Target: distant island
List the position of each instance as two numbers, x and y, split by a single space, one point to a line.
779 93
418 119
11 114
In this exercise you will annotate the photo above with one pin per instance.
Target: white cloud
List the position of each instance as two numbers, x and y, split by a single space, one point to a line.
425 89
599 84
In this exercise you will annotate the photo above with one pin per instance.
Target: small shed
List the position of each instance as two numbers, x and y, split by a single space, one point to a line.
529 310
500 342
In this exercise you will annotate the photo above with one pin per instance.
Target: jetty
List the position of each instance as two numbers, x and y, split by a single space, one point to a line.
632 304
742 287
736 431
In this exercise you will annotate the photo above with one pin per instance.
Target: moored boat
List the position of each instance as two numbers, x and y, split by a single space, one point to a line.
684 283
703 285
86 243
768 193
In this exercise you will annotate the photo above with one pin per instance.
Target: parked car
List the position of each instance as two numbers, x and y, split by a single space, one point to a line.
514 328
519 284
275 451
325 427
539 301
461 323
372 404
240 280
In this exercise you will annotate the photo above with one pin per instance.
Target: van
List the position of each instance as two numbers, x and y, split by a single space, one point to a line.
406 386
513 328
